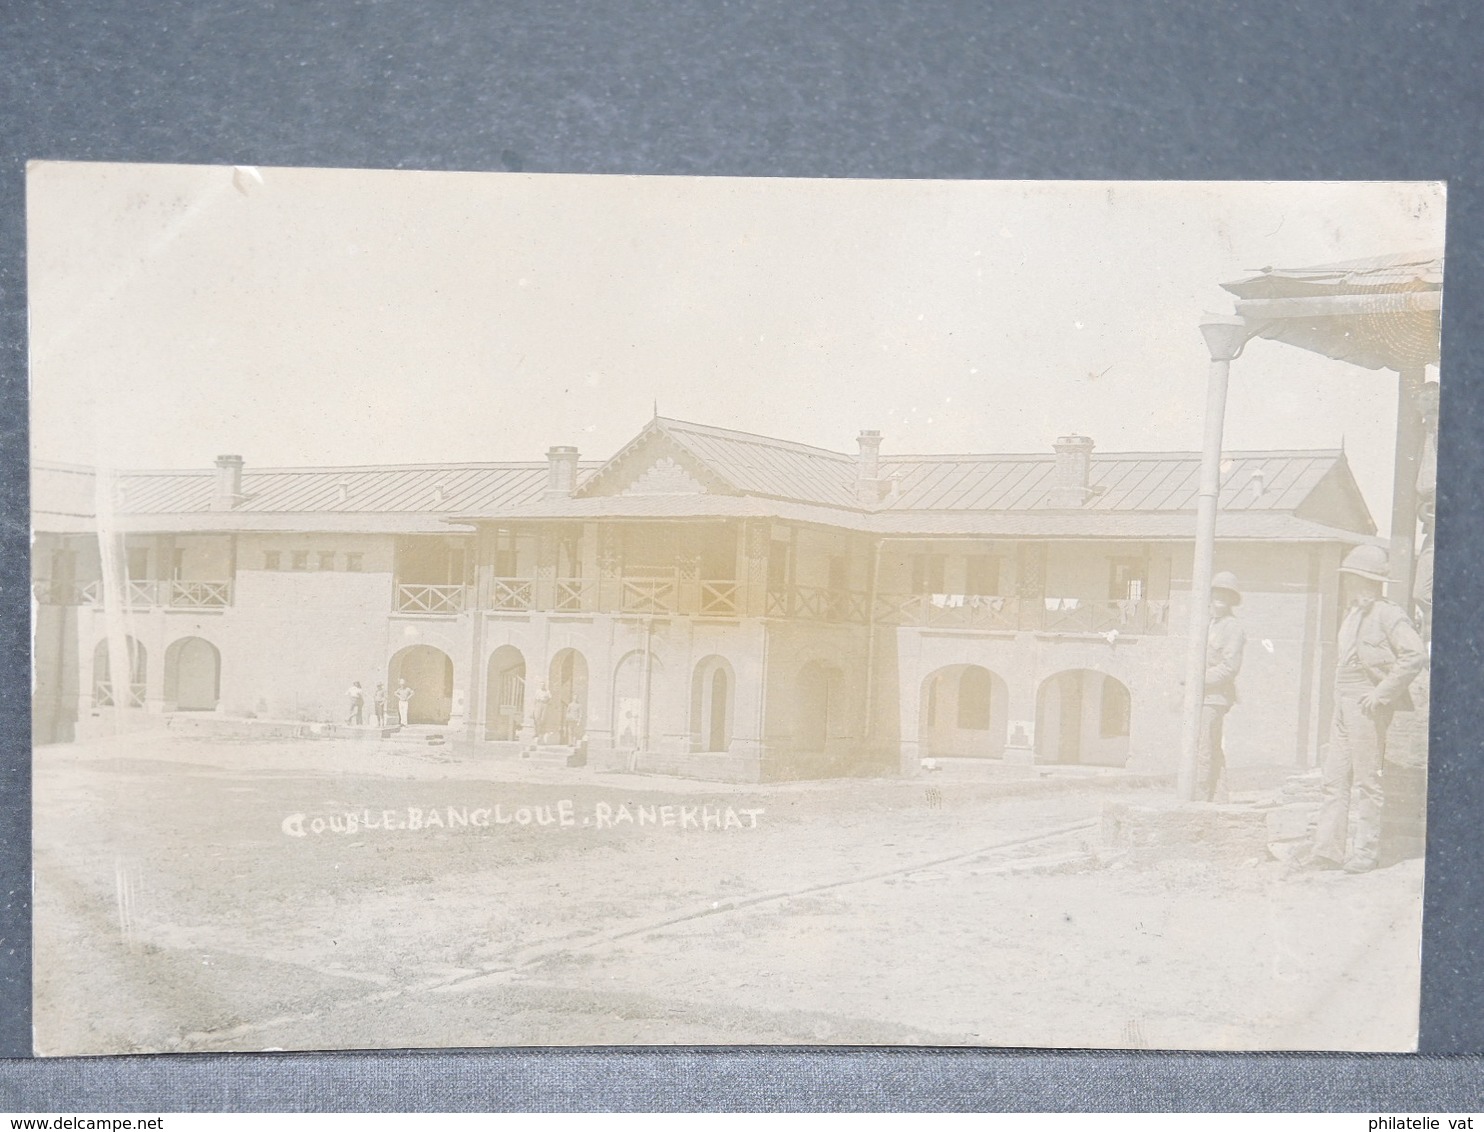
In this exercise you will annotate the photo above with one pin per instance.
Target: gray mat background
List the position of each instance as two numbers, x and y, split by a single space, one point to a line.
1031 88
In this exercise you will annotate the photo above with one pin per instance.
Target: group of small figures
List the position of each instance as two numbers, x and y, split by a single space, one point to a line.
377 702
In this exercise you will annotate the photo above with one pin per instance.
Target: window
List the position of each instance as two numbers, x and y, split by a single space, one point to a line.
138 563
327 560
1126 580
778 556
454 573
1031 580
974 689
177 564
927 573
982 575
1116 709
300 560
839 572
353 562
271 560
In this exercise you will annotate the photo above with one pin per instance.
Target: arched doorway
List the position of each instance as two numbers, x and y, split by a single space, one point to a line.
711 695
103 690
965 710
429 673
568 703
1083 716
817 704
505 694
193 671
637 682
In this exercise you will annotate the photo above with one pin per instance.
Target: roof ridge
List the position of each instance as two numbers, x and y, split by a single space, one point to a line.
768 441
1239 453
325 469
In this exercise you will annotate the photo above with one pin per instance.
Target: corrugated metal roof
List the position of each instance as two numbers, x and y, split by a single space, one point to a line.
696 506
1167 525
1402 271
421 488
1122 481
754 465
1137 494
61 491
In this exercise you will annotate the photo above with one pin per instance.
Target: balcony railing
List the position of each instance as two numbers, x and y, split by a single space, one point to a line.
673 596
816 603
430 599
103 694
515 594
1132 616
648 595
139 595
718 599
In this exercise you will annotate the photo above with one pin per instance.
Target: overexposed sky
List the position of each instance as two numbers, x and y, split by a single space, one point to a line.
304 316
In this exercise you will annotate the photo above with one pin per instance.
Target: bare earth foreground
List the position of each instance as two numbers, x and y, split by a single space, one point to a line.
185 901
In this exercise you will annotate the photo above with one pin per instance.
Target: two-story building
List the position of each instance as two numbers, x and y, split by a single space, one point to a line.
704 602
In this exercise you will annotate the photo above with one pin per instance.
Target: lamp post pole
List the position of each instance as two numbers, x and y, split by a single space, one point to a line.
1225 337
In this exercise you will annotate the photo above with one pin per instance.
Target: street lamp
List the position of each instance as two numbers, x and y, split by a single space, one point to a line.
1225 337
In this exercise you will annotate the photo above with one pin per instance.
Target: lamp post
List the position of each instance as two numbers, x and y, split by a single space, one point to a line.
1225 337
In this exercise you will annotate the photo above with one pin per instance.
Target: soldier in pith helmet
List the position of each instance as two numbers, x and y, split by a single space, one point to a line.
1225 642
1380 653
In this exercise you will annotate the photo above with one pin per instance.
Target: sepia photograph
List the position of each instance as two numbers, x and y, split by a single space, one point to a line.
503 609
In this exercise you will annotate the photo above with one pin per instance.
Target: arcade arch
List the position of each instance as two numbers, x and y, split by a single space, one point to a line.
429 673
193 675
504 694
712 693
965 708
1083 716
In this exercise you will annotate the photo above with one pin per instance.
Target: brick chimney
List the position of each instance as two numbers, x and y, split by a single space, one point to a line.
228 494
1071 481
868 466
561 471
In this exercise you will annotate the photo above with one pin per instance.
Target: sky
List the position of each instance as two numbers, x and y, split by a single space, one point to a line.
302 317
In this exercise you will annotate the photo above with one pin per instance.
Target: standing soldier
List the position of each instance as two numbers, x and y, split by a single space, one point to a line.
1225 642
403 693
1380 654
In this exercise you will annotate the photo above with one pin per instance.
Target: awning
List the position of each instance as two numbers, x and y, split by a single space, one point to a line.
1380 313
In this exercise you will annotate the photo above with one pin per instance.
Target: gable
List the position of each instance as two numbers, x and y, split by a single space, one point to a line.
665 477
1336 501
654 464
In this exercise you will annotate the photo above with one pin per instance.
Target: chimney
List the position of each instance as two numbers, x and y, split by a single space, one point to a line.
228 483
868 466
1071 481
561 471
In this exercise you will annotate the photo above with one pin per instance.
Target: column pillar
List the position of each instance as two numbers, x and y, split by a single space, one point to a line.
1225 338
1410 433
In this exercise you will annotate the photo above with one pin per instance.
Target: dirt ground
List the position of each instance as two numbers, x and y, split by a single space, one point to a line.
244 895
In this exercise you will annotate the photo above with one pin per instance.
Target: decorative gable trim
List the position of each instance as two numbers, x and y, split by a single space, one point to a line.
655 463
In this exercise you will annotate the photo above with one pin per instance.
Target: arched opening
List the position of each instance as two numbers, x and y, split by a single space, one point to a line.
711 705
1084 717
817 705
636 685
965 711
504 694
566 710
428 672
103 690
193 674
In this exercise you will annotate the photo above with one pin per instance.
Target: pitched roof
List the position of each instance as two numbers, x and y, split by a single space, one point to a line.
427 488
751 464
1121 481
1274 494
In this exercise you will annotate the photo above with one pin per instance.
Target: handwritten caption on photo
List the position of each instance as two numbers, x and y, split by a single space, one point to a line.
563 814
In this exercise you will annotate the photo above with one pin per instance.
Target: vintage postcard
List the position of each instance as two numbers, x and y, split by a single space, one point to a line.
503 609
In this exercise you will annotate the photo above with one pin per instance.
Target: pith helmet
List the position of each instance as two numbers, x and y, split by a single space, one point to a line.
1227 581
1367 562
